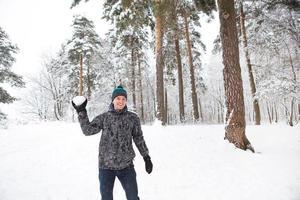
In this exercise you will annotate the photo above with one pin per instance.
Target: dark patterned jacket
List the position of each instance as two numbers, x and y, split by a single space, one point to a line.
118 131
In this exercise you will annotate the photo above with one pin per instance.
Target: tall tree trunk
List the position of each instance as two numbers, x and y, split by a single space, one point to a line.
179 64
180 80
89 83
159 66
133 58
250 71
80 74
141 89
234 99
192 74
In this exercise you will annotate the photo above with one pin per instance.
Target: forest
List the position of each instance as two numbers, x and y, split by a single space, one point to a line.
155 50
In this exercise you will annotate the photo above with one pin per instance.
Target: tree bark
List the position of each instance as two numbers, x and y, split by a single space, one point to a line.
180 80
89 83
133 58
141 89
179 64
249 66
159 66
234 99
192 74
80 74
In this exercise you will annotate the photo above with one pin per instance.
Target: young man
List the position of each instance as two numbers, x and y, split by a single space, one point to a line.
119 127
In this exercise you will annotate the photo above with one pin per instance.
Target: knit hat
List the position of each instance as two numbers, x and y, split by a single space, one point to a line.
119 91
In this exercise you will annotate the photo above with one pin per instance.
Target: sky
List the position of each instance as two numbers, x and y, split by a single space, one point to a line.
40 27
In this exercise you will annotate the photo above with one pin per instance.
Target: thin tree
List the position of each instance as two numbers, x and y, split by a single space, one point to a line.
81 49
141 90
81 74
133 65
192 71
190 13
249 66
179 63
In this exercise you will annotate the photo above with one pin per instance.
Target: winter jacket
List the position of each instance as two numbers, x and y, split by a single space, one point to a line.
118 130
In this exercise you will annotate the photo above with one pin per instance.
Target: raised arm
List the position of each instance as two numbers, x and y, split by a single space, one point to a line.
88 128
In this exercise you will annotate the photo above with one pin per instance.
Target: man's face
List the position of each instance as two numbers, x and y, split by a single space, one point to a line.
119 102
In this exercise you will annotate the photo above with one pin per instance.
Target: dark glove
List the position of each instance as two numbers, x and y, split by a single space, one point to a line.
148 164
81 107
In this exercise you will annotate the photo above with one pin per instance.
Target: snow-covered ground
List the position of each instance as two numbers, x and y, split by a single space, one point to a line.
55 161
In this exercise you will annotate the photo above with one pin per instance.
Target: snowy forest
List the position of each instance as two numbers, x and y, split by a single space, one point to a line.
215 84
155 50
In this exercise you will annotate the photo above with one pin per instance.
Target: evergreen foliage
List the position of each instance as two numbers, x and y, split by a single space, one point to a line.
127 56
86 42
7 58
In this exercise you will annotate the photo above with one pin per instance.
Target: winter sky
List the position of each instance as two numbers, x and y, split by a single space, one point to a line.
40 27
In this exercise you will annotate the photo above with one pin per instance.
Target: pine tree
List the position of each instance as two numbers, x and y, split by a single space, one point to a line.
176 37
7 59
235 114
131 20
81 49
176 31
159 35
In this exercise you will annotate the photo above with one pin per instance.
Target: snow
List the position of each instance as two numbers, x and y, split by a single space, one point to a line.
78 100
54 160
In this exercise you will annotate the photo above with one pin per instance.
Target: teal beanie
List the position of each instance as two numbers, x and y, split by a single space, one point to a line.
119 91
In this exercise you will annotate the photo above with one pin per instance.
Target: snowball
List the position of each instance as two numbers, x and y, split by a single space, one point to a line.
78 100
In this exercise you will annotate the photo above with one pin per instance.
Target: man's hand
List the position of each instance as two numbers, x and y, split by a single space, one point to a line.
79 103
148 164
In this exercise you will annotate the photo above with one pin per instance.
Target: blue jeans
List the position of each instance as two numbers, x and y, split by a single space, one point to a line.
126 176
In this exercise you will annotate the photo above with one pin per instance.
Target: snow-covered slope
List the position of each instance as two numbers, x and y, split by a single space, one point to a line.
55 161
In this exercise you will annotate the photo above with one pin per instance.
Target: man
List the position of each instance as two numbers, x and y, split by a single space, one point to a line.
119 127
